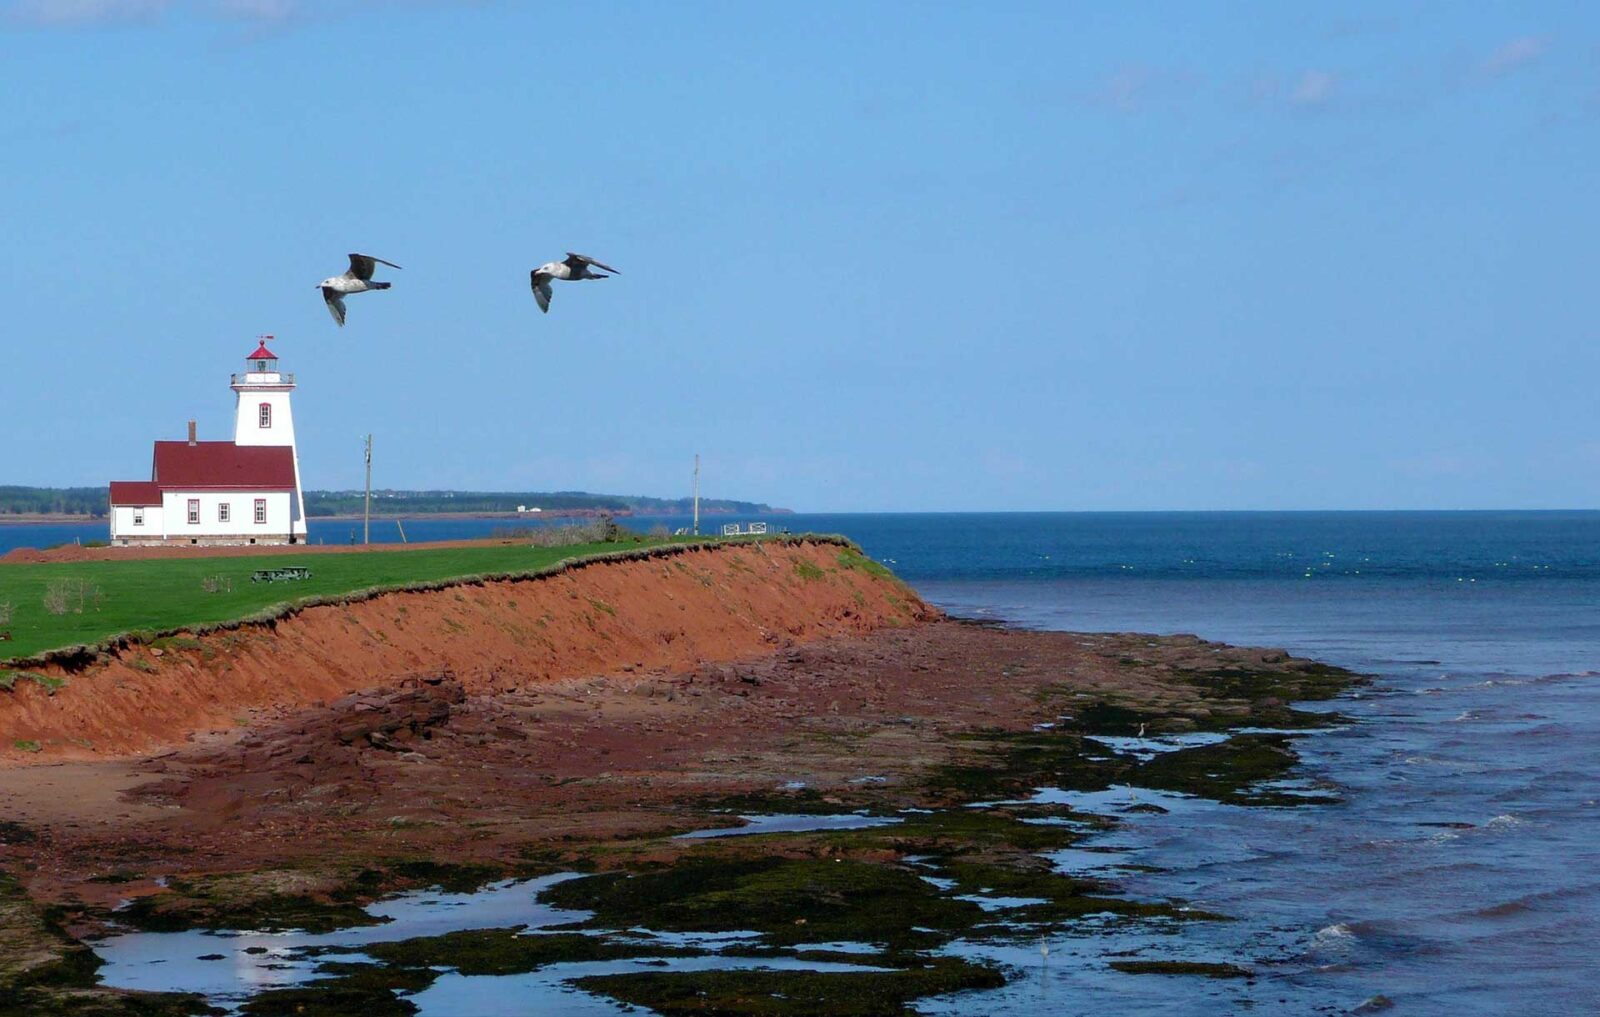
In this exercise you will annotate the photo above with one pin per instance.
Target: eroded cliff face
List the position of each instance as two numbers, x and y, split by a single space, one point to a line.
663 613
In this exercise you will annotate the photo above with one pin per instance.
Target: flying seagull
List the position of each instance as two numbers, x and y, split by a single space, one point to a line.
357 280
575 267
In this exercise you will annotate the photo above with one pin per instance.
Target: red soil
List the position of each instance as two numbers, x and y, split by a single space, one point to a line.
667 614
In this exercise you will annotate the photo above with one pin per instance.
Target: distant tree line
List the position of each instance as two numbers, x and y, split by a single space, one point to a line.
92 501
67 501
392 502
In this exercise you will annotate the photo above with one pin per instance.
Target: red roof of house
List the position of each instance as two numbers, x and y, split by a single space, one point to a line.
135 492
262 353
222 465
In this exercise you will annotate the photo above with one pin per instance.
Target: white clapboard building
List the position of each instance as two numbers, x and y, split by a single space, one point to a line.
244 491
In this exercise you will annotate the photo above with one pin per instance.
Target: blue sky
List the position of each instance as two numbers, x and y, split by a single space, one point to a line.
875 256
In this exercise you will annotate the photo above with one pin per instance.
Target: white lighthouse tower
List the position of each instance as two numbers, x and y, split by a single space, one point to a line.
262 417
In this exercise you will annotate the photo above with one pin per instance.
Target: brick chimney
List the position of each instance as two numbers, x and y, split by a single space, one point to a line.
191 433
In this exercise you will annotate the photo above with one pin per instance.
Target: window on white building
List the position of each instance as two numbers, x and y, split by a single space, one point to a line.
265 413
261 510
138 517
194 511
223 511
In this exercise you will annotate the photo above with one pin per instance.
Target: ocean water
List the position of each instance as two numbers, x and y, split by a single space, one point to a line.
1460 873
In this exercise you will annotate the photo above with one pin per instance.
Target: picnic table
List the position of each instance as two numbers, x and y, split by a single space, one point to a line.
282 572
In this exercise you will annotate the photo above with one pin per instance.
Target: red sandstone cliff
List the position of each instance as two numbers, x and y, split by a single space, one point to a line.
669 612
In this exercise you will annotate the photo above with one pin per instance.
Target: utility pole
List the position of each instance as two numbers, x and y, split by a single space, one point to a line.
366 512
697 494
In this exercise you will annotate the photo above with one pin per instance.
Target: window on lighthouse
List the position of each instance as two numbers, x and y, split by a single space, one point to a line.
265 414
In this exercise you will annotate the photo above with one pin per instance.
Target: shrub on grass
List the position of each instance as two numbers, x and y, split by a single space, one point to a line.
63 595
594 531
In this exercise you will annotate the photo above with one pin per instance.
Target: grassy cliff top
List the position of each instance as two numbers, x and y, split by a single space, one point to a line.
56 607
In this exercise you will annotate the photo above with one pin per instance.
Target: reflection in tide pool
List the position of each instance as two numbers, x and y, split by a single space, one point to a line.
244 963
251 961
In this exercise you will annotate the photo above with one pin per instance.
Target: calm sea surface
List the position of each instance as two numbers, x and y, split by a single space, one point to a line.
1461 875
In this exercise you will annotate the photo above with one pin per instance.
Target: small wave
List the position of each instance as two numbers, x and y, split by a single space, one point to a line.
1544 731
1506 909
1505 822
1338 932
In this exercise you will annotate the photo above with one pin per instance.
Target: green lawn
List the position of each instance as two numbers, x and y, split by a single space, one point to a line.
170 593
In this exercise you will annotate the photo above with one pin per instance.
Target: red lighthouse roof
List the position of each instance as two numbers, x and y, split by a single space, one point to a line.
262 353
222 465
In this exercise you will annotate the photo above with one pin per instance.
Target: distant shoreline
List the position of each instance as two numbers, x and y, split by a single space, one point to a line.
46 518
36 518
545 514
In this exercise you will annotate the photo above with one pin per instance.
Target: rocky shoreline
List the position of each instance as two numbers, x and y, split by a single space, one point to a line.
302 820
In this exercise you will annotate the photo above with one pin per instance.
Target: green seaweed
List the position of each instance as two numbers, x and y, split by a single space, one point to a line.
1010 764
509 951
1063 899
1291 680
794 993
1228 771
789 899
1013 763
180 910
367 992
1157 967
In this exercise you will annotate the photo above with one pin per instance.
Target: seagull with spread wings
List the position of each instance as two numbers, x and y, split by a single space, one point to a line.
575 267
357 280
